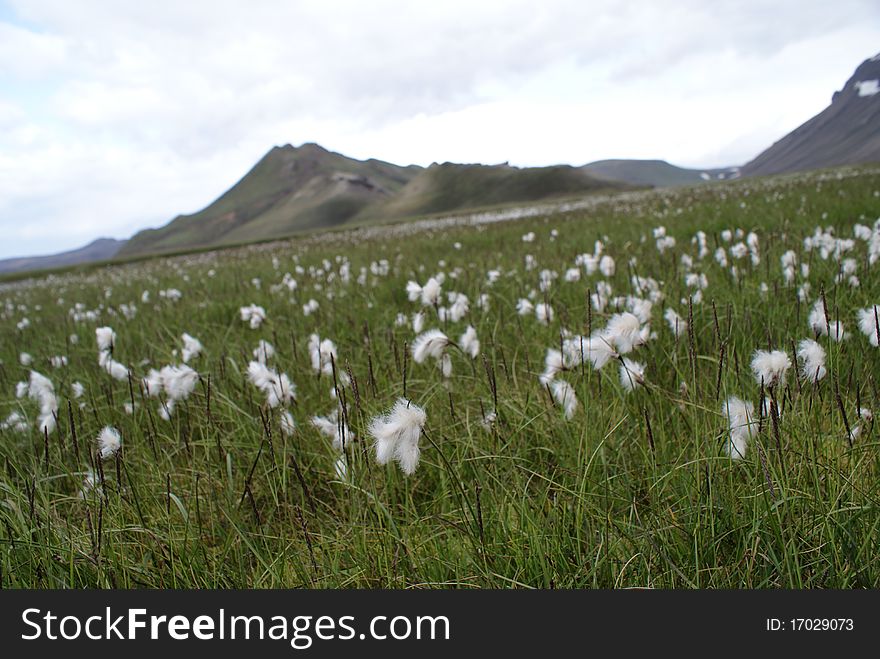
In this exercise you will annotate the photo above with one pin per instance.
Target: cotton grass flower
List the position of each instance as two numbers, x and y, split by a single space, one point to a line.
178 382
564 395
770 367
322 354
469 343
253 315
599 350
396 435
264 352
812 358
524 307
109 442
544 313
432 343
632 374
286 423
106 338
741 424
278 388
192 348
677 324
869 323
334 427
15 421
624 331
429 294
41 389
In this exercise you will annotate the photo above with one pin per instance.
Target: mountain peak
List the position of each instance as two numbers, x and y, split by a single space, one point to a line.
847 132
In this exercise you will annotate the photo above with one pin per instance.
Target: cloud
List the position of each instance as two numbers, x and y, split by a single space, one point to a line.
123 117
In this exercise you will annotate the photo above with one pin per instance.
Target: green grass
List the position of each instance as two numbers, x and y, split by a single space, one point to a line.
218 498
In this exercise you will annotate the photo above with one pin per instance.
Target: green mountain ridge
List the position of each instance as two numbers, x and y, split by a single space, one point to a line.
290 189
656 173
293 189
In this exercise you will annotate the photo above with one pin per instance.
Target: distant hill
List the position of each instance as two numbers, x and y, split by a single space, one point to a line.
293 189
448 187
655 173
98 250
290 189
847 132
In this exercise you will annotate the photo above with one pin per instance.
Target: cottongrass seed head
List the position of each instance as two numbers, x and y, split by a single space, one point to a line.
396 435
770 367
812 358
742 425
109 442
632 374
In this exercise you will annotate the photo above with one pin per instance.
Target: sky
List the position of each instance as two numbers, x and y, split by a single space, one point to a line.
119 115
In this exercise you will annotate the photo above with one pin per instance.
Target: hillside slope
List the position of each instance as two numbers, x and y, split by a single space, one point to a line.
847 132
655 173
289 189
450 187
97 250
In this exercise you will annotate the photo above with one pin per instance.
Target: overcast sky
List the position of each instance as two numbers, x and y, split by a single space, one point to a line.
119 115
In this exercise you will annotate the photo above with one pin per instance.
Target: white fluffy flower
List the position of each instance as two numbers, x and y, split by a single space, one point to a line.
469 342
106 338
632 374
178 381
430 292
264 351
418 322
563 394
322 354
396 435
15 421
41 389
770 367
741 424
812 357
524 307
278 388
109 442
599 350
554 362
868 322
192 348
117 370
676 323
333 427
253 315
544 313
287 424
432 343
624 331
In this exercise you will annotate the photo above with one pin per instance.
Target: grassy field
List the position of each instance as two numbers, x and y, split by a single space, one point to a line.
635 489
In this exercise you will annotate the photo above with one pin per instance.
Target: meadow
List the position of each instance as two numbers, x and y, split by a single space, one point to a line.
679 462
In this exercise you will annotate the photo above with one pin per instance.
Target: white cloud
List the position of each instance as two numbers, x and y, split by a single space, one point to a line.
124 117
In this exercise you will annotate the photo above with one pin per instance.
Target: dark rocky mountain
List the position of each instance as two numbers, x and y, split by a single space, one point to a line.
847 132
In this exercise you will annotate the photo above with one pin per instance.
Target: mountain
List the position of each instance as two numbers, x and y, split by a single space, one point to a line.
847 132
655 173
101 249
448 187
290 189
293 189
